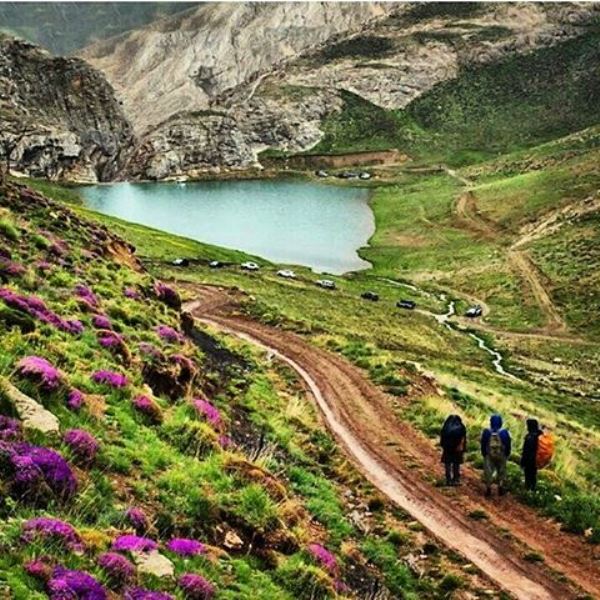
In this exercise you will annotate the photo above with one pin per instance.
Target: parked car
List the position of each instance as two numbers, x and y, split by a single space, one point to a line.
250 266
372 296
408 304
286 274
365 175
215 264
326 283
474 311
321 173
348 175
181 262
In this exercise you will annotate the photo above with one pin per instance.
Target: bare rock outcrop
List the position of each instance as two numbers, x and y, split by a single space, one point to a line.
73 126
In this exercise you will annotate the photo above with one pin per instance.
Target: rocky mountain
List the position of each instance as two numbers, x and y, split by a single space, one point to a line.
61 114
212 88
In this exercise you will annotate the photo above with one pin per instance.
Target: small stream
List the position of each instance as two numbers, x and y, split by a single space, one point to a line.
444 319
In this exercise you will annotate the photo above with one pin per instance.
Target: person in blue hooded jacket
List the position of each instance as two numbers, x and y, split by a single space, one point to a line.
495 448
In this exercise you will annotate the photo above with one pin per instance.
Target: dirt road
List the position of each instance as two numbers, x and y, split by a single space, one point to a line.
400 461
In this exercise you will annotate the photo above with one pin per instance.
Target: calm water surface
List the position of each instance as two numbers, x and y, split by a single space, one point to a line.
311 224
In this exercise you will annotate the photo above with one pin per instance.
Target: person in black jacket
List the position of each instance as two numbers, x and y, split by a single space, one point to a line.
453 440
529 454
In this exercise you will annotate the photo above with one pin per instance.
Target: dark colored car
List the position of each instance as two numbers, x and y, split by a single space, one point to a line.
408 304
474 311
348 175
372 296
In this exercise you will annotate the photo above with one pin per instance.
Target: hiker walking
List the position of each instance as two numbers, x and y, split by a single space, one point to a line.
529 454
453 439
495 449
538 450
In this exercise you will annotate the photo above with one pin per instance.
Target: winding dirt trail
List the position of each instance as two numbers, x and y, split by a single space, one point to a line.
400 462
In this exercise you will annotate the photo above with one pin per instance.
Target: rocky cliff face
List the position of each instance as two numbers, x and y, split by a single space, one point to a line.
65 114
213 87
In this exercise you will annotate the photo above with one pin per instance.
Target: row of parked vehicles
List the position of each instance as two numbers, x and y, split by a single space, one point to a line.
472 312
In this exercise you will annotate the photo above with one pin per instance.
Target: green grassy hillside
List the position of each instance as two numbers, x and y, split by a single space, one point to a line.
161 439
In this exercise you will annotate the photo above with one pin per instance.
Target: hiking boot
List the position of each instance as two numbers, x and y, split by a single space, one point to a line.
488 492
501 491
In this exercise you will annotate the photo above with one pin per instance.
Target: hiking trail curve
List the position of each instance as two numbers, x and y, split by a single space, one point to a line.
399 461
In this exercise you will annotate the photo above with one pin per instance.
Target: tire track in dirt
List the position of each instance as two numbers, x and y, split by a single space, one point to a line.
398 461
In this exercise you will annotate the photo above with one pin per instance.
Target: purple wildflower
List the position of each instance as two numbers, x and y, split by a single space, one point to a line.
225 442
68 584
132 293
35 465
10 429
82 444
167 294
75 399
168 333
111 378
39 369
138 519
43 265
110 339
39 569
118 568
74 326
138 593
152 351
148 408
325 558
195 587
86 294
10 268
49 529
101 322
133 543
186 547
208 411
184 362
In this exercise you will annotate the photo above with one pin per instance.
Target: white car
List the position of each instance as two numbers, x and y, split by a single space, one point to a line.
326 283
250 266
287 274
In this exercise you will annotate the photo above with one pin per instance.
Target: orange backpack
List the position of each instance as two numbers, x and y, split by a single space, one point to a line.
545 450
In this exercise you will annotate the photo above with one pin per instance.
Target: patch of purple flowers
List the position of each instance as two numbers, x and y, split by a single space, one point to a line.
208 411
168 333
36 307
41 371
186 547
133 543
10 429
111 378
82 444
195 587
147 407
138 519
110 339
67 584
85 293
10 268
132 293
38 568
55 530
152 351
119 569
326 559
35 466
101 322
138 593
75 399
167 294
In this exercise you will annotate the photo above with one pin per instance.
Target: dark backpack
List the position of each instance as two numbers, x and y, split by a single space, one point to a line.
452 435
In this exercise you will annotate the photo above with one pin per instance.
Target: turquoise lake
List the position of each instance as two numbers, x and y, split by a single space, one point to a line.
289 222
